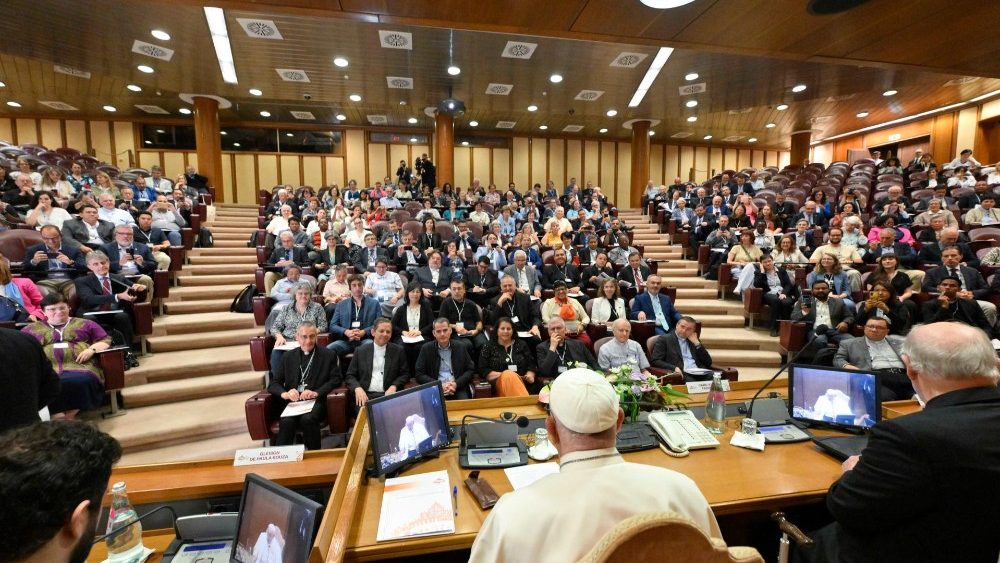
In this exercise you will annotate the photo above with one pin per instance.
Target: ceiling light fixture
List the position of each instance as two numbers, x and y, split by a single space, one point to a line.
691 103
256 92
161 131
341 62
888 93
134 88
770 126
611 113
603 130
236 144
532 107
473 123
654 70
160 34
665 4
185 111
13 104
220 39
556 78
413 139
543 127
355 97
341 117
145 68
692 119
411 120
862 114
799 88
465 143
752 140
454 70
707 137
223 133
3 85
691 76
289 135
782 107
148 142
265 113
651 133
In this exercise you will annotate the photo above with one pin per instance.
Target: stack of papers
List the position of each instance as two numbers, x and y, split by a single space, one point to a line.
288 345
524 475
298 408
416 505
412 339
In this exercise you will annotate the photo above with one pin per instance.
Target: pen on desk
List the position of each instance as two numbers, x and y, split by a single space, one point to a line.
454 499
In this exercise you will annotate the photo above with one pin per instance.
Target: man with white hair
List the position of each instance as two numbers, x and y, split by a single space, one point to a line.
270 546
559 218
584 417
413 433
924 489
621 350
108 212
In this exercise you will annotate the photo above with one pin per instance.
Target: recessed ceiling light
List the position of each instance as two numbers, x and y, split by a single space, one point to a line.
289 135
161 131
110 108
3 85
691 103
692 119
752 140
691 76
148 142
782 107
145 68
256 92
160 34
13 104
454 70
473 123
134 88
341 62
799 88
236 144
223 133
532 107
185 111
355 97
543 127
265 114
665 4
707 137
603 130
889 93
341 117
651 133
770 126
412 120
413 139
862 114
465 143
612 112
555 78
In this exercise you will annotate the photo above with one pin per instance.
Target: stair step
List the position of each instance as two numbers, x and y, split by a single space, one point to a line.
198 293
206 259
197 306
719 321
225 228
686 293
672 280
220 279
196 388
214 339
232 243
194 324
175 423
231 251
186 364
738 339
205 269
238 234
211 448
759 358
712 306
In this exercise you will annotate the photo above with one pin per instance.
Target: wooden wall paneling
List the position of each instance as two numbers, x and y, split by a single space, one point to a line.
173 163
757 159
965 129
356 156
482 167
125 146
557 162
76 134
312 171
7 130
52 135
267 171
247 185
397 153
743 159
701 165
148 159
228 187
731 159
623 188
520 158
656 164
376 163
191 158
822 153
591 162
27 131
540 161
715 160
334 170
463 166
574 161
989 110
784 158
288 169
686 159
417 150
608 173
501 168
942 139
671 164
772 158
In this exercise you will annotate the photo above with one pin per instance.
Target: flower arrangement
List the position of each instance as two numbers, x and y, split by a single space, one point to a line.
635 390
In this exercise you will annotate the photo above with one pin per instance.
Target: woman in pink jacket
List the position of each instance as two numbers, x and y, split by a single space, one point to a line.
20 290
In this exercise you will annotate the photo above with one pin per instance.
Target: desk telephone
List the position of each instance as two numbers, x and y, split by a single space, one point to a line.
680 431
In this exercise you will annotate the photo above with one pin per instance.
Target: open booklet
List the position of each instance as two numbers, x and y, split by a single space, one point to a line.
416 505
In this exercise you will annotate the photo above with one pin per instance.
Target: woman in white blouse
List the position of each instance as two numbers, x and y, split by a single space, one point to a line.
609 305
53 181
45 210
24 167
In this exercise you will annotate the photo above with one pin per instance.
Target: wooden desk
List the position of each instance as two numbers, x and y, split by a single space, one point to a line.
894 409
156 539
734 480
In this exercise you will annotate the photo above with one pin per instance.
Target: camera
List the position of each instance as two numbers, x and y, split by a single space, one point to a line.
307 97
807 301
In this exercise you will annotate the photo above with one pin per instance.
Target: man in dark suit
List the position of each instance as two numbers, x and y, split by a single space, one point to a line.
970 200
821 309
655 306
718 208
681 351
481 282
783 210
196 180
53 264
892 503
813 218
88 232
464 240
446 360
518 307
27 380
950 306
558 353
634 274
594 275
107 293
887 245
561 270
407 256
930 252
306 373
433 279
352 320
973 284
366 382
779 290
368 256
130 258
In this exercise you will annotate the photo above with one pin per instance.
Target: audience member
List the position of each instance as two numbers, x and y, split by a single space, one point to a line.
385 286
507 363
352 319
447 361
88 232
27 381
973 286
53 264
481 281
651 305
286 322
130 259
569 310
620 351
154 238
463 315
779 291
110 294
608 306
375 364
21 293
682 352
955 304
525 274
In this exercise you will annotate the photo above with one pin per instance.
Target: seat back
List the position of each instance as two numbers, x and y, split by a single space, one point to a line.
646 537
15 242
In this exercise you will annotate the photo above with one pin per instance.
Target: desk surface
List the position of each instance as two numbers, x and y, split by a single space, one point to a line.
733 480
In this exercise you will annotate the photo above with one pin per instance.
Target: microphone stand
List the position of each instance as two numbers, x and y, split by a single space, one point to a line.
821 330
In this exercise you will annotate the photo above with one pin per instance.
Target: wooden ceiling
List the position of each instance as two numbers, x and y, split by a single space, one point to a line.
749 55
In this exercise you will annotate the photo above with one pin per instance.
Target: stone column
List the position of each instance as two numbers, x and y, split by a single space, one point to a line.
640 164
208 143
444 148
800 147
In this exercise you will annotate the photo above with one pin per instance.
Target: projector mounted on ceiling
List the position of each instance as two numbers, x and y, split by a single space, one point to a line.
451 106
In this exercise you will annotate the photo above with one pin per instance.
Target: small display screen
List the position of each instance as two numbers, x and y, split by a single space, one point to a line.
840 397
407 425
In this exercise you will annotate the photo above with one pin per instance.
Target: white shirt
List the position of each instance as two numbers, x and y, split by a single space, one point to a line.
822 313
95 238
378 369
356 238
277 224
117 216
267 553
385 286
409 438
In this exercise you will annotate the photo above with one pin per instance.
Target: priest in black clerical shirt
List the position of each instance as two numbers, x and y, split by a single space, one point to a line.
558 353
481 282
306 373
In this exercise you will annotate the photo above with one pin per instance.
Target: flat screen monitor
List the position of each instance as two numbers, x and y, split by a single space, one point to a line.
839 397
275 524
407 425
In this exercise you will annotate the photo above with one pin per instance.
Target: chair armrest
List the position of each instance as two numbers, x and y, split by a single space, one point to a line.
176 254
725 274
258 408
262 306
753 299
261 222
261 237
704 251
654 265
260 352
112 363
481 389
732 374
258 279
187 235
336 410
792 335
161 284
195 225
142 318
323 339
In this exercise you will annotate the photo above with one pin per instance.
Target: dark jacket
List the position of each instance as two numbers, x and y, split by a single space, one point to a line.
666 353
788 286
549 362
523 309
401 262
552 273
429 363
930 253
962 310
974 281
401 325
423 277
365 263
40 270
147 267
359 372
488 281
904 255
74 232
626 274
91 294
27 380
299 256
323 376
839 313
425 241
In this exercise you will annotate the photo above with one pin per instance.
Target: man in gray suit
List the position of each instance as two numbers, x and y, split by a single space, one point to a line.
524 275
378 368
879 352
821 309
88 232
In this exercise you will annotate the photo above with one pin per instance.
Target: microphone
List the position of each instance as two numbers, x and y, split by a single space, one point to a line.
504 418
118 531
817 332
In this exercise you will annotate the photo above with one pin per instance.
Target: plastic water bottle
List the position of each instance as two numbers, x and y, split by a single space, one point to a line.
715 407
126 545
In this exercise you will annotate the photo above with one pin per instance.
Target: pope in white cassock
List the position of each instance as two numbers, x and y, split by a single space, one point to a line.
413 433
270 546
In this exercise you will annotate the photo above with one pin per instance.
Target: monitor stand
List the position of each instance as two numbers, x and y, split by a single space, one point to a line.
370 471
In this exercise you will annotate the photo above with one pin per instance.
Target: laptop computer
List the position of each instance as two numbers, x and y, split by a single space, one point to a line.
842 399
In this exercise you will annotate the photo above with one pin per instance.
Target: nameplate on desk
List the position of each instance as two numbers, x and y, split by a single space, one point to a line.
262 456
704 386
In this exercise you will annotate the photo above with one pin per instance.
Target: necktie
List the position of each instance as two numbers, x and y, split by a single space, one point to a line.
106 285
954 272
638 278
288 255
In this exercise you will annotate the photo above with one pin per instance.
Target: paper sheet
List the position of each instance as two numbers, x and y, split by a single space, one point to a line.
524 475
524 334
297 408
416 505
288 345
412 339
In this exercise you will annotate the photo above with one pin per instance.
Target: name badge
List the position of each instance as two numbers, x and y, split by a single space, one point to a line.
512 367
60 345
356 324
568 280
514 319
562 369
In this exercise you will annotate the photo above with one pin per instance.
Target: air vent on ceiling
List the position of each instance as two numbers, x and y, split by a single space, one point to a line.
962 80
378 119
589 95
151 50
732 138
292 75
506 124
821 119
628 60
302 115
681 135
399 82
573 128
840 98
61 106
499 89
740 111
519 50
261 29
396 39
152 109
61 69
689 89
